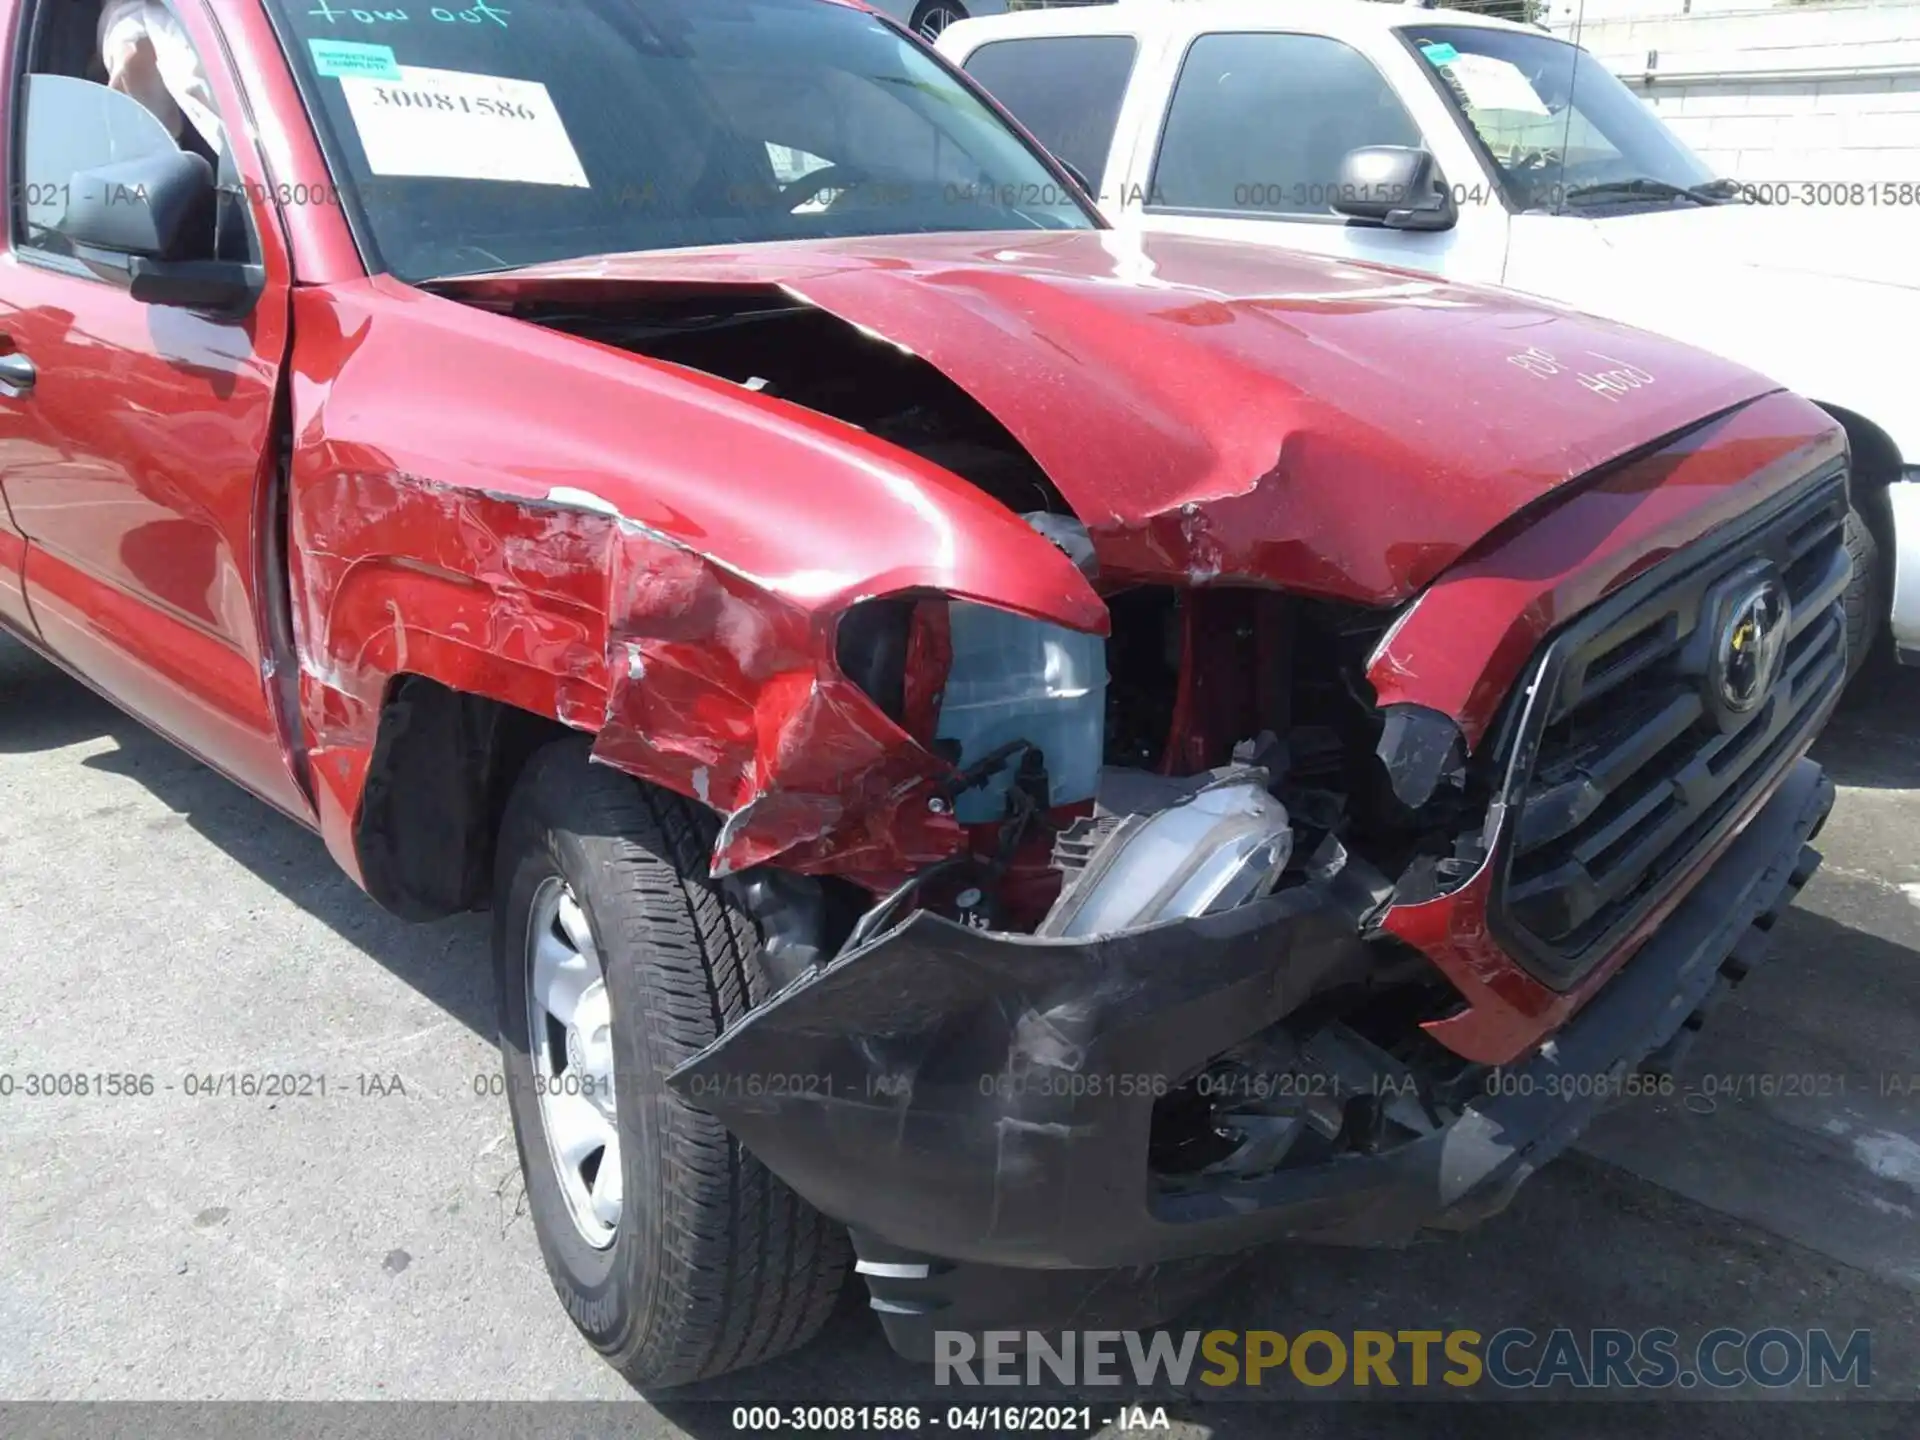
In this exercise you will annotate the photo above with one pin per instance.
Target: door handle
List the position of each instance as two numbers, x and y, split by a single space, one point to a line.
16 375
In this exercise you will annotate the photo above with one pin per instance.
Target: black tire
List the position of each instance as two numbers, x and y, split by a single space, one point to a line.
947 11
715 1264
1869 595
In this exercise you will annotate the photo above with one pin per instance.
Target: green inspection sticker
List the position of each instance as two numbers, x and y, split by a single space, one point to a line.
1440 54
341 58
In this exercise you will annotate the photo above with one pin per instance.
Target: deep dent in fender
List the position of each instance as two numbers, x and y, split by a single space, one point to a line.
691 676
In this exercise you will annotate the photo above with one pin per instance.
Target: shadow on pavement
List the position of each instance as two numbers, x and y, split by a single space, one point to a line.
44 709
1584 1246
1873 740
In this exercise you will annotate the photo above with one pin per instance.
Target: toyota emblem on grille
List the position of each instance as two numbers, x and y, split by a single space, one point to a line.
1752 637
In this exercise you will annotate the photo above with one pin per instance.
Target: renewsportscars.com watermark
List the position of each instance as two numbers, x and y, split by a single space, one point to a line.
1511 1359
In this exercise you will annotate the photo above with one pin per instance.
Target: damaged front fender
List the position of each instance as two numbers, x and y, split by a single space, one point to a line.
633 549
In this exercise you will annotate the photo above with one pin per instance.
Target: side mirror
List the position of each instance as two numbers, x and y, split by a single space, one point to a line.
159 206
1078 177
1395 186
151 219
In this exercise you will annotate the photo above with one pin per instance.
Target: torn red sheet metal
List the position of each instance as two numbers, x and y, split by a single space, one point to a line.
724 694
655 555
1219 412
659 555
1463 644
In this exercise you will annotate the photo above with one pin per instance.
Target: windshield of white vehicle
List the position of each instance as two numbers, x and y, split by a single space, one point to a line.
472 138
1563 133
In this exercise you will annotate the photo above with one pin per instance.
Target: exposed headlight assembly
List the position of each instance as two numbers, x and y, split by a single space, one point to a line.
1218 849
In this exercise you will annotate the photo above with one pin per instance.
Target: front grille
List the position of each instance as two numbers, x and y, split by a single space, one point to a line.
1650 726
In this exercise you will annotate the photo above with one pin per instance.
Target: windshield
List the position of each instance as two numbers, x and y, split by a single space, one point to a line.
505 134
1561 130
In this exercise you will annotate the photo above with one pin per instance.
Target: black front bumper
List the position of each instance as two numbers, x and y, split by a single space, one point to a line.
987 1098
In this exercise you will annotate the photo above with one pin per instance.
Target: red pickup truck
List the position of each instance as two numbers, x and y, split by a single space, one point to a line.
1021 759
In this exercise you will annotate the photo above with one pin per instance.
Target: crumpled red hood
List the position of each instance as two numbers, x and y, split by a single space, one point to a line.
1219 410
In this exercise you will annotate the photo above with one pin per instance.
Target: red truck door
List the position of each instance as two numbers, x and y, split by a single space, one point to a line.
13 566
135 438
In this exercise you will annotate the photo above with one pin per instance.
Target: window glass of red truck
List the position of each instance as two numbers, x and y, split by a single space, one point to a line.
98 83
1259 123
473 138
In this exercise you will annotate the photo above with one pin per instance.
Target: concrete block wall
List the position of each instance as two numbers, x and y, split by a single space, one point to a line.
1823 91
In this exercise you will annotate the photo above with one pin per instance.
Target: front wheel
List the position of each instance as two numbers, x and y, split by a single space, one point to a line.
678 1255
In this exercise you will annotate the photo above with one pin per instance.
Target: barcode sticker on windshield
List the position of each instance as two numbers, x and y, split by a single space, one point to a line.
453 125
1491 83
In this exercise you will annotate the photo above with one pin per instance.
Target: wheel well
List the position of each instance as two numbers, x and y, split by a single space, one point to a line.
1876 459
443 765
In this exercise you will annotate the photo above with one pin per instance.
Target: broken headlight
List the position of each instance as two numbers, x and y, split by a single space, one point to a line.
1213 851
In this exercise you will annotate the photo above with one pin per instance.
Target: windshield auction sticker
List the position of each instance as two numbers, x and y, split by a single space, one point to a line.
1491 83
453 125
338 59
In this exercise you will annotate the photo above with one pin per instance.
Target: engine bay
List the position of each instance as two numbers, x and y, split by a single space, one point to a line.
1203 684
1221 745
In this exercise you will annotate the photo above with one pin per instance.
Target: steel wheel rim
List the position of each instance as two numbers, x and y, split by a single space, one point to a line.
937 18
570 1041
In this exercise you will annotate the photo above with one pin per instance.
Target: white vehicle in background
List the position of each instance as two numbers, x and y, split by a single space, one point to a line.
1490 152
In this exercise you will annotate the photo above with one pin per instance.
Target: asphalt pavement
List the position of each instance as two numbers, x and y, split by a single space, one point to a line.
371 1242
